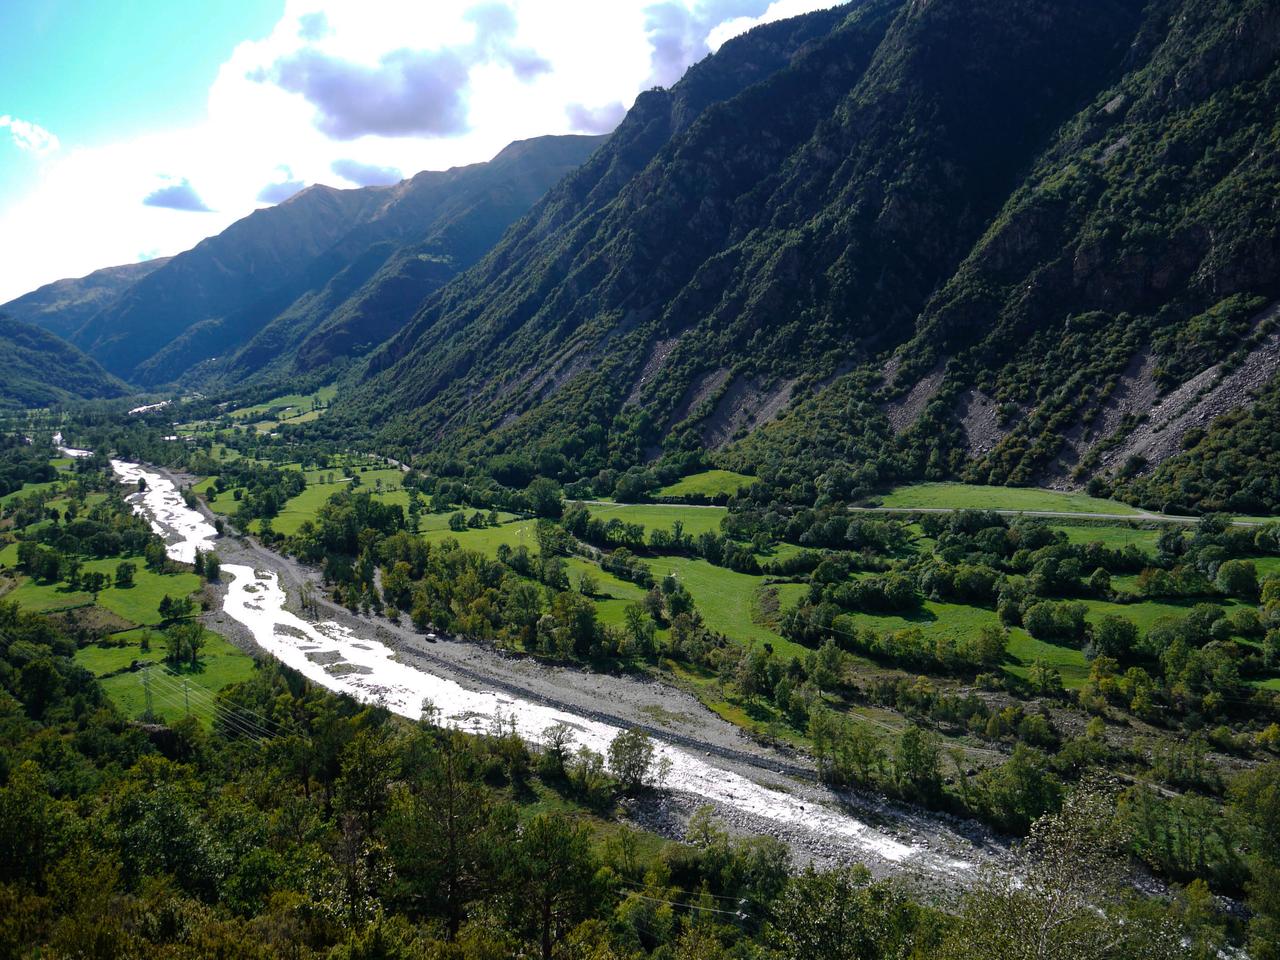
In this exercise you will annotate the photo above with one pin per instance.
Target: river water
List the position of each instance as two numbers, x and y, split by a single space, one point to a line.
332 655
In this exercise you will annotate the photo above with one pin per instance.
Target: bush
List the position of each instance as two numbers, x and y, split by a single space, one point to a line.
1054 622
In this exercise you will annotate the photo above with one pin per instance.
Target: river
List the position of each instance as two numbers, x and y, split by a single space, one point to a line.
339 659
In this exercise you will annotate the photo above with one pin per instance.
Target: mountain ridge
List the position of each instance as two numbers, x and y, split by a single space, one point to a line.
695 254
345 260
62 307
40 369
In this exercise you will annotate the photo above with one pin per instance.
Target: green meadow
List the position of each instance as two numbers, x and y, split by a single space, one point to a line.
283 408
709 483
219 664
487 539
655 516
963 496
1112 536
138 604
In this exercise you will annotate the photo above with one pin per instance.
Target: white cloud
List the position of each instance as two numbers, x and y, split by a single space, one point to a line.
531 67
778 10
176 195
28 136
366 174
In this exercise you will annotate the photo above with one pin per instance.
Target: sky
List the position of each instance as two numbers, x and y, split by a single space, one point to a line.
135 128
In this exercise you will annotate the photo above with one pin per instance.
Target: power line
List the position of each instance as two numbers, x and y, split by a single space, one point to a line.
174 690
171 699
736 914
204 694
700 893
220 712
201 691
232 722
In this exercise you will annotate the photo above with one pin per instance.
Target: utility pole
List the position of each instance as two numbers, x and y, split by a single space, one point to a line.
146 686
186 696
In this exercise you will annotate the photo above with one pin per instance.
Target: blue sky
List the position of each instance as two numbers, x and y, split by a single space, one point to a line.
94 71
131 129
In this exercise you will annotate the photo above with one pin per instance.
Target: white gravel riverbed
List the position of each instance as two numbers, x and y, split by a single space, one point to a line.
348 657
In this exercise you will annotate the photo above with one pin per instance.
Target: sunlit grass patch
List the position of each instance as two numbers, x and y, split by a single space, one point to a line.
958 496
708 483
220 664
656 516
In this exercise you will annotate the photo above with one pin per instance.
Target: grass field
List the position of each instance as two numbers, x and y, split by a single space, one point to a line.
30 488
280 409
1144 614
613 595
220 664
709 483
1266 565
696 520
1116 537
303 507
45 597
933 619
226 503
138 604
959 496
486 539
1026 649
726 599
958 621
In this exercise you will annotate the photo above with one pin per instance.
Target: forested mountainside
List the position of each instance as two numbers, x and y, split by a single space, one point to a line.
977 239
62 307
327 273
38 369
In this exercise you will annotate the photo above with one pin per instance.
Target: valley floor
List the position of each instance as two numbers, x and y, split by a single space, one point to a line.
945 852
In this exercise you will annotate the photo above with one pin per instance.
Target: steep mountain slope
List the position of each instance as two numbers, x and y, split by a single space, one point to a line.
355 262
928 239
788 230
38 369
1121 299
437 227
63 306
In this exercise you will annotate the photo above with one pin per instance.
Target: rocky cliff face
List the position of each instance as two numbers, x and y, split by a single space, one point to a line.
1137 254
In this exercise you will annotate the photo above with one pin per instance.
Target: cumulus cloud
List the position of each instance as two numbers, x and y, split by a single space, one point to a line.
313 26
777 10
29 137
282 189
495 27
366 174
677 33
600 54
525 64
177 196
682 33
408 93
602 119
669 27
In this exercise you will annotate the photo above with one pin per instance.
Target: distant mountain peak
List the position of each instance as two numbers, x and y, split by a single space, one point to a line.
341 260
